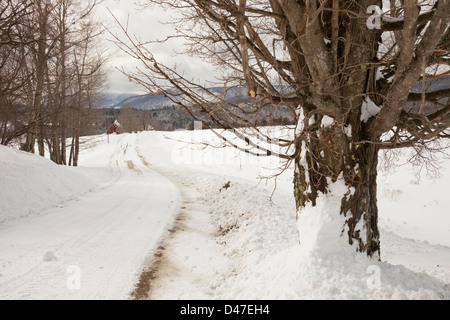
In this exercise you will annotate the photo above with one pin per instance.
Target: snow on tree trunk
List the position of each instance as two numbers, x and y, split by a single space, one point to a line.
360 207
335 188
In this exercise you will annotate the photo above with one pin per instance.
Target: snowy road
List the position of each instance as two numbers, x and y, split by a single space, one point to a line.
94 246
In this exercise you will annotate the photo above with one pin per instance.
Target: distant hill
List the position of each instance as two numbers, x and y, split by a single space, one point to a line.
110 100
144 102
157 102
234 95
433 84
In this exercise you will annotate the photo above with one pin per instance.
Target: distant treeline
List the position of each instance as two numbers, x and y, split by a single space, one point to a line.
172 118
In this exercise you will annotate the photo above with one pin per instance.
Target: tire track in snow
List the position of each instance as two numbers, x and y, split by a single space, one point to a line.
188 259
107 234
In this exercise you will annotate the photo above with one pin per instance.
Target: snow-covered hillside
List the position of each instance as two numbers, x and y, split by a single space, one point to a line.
159 101
229 235
111 99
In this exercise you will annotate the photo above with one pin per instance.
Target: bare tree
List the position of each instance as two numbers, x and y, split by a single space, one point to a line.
13 76
349 76
129 119
51 72
77 73
40 49
88 62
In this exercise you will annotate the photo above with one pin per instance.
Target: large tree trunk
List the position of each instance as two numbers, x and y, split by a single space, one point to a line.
325 157
361 208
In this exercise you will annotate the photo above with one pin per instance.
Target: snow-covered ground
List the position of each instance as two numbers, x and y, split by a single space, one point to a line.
92 244
199 224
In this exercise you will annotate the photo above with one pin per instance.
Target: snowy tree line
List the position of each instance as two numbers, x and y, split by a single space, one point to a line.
50 74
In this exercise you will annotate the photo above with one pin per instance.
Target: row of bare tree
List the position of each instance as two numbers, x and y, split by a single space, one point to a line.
50 73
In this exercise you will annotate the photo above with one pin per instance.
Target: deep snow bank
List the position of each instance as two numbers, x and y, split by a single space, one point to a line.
31 184
269 263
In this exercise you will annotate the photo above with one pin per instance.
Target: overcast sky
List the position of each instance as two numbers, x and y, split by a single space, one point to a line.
146 24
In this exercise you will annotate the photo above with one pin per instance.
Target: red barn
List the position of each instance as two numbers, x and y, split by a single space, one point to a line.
114 128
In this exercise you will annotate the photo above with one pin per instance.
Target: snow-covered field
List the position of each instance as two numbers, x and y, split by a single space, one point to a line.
201 225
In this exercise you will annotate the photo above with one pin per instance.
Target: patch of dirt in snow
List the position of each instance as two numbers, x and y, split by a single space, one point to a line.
188 261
